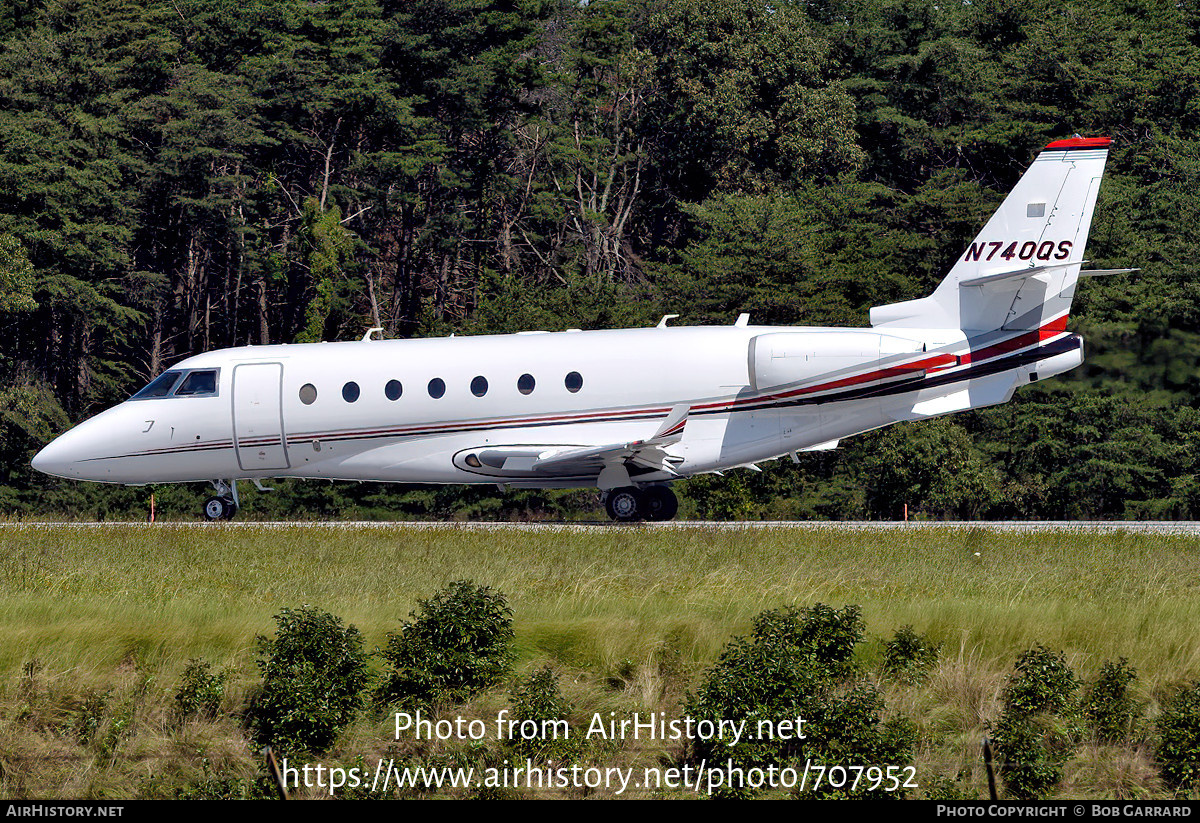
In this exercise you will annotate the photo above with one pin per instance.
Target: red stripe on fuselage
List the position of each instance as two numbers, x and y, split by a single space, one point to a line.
1051 329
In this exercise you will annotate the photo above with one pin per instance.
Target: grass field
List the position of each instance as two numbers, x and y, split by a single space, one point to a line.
118 611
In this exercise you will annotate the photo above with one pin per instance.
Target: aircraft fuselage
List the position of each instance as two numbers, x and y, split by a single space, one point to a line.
506 395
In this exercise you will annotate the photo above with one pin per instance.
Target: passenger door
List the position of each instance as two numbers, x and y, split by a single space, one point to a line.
258 434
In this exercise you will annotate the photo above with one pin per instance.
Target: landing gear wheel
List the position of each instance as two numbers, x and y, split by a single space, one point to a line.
624 505
219 508
659 503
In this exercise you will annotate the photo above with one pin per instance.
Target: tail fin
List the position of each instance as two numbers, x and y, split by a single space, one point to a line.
1020 272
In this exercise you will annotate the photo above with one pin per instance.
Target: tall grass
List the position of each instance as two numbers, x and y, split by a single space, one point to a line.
119 610
91 597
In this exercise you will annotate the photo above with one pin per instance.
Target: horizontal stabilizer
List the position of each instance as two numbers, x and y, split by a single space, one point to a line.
1014 274
1105 272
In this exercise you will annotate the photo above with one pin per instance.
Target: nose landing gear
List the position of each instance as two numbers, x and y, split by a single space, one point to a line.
629 503
219 508
225 505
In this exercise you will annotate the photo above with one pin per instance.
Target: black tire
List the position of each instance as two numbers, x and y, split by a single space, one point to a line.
219 508
624 504
660 503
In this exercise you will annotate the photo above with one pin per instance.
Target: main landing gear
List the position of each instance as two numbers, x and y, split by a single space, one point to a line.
225 505
630 503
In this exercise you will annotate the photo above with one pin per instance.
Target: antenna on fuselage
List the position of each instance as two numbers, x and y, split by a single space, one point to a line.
371 331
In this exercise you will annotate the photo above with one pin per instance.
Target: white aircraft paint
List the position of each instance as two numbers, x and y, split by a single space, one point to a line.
627 410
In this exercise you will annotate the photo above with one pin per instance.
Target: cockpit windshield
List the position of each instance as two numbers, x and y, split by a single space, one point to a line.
160 386
194 383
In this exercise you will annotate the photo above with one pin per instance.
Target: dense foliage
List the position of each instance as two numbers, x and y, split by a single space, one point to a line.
459 643
540 718
1109 706
1038 727
314 674
179 176
797 664
201 691
909 656
1178 752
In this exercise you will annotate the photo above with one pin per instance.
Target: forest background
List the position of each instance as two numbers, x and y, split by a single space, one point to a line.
182 175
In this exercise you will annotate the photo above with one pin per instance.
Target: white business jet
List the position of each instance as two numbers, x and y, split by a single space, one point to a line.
628 411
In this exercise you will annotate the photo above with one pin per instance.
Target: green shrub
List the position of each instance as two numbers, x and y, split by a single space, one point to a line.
758 677
201 692
459 644
90 716
1043 682
1037 730
828 636
909 656
1178 752
539 707
1032 751
847 729
1108 708
314 672
795 664
102 723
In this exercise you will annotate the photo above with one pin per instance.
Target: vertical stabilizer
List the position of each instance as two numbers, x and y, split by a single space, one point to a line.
1020 272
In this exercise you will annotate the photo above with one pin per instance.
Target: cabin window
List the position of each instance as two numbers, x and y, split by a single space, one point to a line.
525 384
160 386
350 392
200 383
479 386
393 390
308 394
437 387
574 382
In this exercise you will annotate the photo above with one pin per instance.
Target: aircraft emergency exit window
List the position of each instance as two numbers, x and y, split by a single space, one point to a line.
160 386
437 387
574 382
525 384
393 390
479 386
350 392
198 384
308 394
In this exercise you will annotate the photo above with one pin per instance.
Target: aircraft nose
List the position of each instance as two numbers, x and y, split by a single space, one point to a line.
57 458
87 451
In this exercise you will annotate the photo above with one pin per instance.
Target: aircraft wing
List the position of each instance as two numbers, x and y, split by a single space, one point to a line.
647 453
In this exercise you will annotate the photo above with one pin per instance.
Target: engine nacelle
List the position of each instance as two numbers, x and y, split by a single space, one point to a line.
784 358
